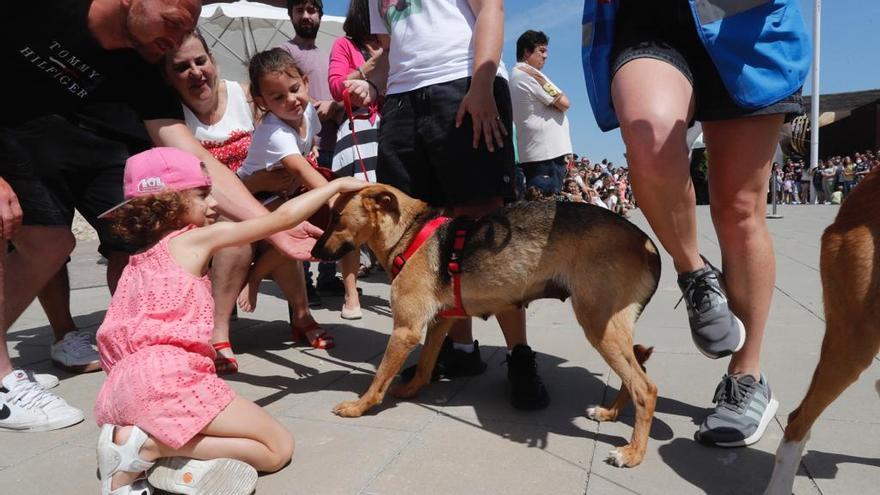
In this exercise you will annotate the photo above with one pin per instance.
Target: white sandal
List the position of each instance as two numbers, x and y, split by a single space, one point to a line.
114 458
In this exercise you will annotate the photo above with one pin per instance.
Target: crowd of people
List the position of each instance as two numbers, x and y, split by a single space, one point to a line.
431 104
600 184
830 182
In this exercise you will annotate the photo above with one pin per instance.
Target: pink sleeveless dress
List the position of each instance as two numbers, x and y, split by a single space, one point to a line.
155 346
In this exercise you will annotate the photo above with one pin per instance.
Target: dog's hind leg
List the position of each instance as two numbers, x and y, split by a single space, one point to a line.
612 337
852 339
599 413
845 355
427 359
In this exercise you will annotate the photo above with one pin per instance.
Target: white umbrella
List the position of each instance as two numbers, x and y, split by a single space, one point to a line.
237 30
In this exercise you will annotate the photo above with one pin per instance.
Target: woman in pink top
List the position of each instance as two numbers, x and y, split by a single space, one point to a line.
354 56
162 407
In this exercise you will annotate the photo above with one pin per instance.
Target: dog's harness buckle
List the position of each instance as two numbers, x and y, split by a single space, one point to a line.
454 265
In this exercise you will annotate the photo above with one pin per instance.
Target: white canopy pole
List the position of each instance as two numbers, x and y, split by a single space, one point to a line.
814 101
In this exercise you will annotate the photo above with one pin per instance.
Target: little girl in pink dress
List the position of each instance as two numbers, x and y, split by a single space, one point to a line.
163 410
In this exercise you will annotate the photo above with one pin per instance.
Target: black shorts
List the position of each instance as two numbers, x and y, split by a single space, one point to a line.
55 166
665 30
423 154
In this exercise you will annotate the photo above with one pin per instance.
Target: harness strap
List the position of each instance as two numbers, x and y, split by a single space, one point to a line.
454 265
423 235
454 268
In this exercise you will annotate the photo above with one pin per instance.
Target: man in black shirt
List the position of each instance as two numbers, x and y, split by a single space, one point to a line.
69 66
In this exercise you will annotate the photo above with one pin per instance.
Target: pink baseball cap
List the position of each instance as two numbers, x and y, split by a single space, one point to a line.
159 170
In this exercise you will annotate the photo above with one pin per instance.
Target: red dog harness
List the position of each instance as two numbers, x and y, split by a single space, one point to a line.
454 265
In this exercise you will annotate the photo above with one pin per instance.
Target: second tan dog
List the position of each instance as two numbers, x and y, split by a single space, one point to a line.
523 252
850 269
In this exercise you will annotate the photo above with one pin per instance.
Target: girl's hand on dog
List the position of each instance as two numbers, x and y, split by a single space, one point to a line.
348 184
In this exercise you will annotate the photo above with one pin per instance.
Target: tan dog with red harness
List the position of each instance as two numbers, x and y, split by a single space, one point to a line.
850 267
520 253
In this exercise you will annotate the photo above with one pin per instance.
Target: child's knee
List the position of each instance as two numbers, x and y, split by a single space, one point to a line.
281 453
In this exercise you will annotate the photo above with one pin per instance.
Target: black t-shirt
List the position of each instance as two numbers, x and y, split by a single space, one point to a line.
53 65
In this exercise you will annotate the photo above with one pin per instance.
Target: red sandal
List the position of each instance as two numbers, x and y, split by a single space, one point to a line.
321 341
224 365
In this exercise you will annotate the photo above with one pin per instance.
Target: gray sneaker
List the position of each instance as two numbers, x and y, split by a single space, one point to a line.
743 409
716 331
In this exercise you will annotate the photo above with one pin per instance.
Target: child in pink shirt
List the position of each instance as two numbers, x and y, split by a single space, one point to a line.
162 407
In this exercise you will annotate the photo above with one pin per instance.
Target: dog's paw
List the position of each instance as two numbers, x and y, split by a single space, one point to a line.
348 409
623 457
599 413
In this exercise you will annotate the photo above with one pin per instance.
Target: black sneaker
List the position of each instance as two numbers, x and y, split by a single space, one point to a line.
452 363
527 390
312 294
332 287
716 331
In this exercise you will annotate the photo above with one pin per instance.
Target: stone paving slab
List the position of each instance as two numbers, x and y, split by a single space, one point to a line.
462 436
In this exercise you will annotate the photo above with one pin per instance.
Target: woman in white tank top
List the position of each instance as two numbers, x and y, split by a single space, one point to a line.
221 117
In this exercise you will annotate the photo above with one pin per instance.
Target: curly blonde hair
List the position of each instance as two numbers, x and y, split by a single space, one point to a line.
144 221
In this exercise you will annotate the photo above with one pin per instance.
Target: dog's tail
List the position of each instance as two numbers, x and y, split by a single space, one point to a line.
643 353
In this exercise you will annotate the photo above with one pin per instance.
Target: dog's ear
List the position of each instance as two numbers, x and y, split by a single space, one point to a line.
381 199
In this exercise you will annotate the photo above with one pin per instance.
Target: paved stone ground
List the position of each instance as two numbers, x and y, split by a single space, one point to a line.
462 436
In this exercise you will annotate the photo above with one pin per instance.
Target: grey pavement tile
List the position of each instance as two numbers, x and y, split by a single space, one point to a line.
680 465
27 451
392 414
64 469
844 458
455 456
333 458
599 485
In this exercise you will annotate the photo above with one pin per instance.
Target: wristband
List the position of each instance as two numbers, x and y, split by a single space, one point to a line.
361 72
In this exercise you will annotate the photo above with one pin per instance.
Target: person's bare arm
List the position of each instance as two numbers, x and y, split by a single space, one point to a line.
302 171
561 101
10 211
233 198
274 181
479 101
193 249
366 91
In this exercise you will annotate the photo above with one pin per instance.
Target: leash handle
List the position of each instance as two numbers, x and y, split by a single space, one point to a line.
346 100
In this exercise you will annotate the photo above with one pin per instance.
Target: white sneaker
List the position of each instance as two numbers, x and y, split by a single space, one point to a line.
75 353
45 380
27 406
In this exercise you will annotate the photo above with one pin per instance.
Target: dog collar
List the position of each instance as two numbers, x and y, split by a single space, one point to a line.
454 265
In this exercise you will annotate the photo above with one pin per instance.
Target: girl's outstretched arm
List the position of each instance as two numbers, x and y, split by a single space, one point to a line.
192 250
